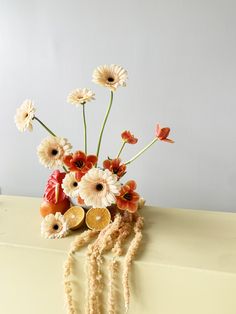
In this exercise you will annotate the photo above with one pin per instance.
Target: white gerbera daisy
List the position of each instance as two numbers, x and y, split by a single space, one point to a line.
24 116
54 226
110 76
52 150
70 185
98 187
80 96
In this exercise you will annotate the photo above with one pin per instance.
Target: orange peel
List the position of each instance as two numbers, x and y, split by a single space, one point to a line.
74 217
97 218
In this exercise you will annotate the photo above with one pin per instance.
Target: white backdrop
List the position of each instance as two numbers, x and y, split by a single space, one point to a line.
180 56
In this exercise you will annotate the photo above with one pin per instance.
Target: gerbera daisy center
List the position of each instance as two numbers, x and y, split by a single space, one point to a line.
54 152
75 184
99 187
56 227
110 79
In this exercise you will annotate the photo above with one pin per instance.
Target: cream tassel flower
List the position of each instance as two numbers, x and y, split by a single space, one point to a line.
24 116
80 241
110 76
132 250
52 150
80 96
94 263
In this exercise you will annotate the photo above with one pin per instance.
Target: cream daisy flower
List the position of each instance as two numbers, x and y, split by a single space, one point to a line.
70 185
54 226
98 188
110 76
24 116
80 96
52 150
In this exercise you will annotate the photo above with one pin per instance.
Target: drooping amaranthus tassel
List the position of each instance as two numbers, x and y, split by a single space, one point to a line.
132 250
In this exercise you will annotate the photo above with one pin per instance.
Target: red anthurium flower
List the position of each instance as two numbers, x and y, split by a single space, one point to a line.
162 134
128 137
80 163
128 199
54 192
115 166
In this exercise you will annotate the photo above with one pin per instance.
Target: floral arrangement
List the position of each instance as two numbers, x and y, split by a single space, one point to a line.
83 193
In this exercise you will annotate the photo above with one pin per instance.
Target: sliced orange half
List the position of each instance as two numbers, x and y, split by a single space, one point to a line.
74 217
97 218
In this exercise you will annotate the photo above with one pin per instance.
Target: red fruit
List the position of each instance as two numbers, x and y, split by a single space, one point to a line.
47 208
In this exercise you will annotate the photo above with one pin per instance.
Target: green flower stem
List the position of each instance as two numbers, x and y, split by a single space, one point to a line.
142 151
49 131
45 127
104 123
65 169
85 130
120 151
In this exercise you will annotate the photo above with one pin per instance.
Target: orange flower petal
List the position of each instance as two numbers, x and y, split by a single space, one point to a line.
107 164
79 175
80 200
135 197
124 190
128 137
92 158
132 207
121 204
80 155
158 128
168 140
67 160
87 167
162 134
132 184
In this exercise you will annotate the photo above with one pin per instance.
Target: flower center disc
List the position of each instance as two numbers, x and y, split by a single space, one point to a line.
54 152
128 196
56 227
79 163
99 187
110 79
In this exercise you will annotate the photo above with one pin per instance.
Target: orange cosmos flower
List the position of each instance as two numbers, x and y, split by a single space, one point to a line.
128 137
128 199
162 134
80 163
114 166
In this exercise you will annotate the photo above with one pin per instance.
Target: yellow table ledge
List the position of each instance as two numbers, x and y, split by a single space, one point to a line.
186 265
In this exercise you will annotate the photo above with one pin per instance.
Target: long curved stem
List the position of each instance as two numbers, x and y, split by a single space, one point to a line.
120 151
104 123
85 130
45 127
142 151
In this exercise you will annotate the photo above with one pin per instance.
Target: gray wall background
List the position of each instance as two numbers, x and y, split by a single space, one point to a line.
180 56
